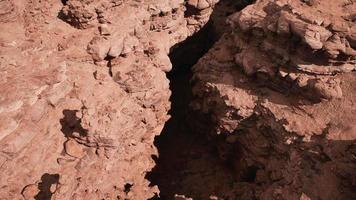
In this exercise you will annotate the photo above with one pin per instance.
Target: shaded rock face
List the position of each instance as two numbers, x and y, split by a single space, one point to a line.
279 88
84 92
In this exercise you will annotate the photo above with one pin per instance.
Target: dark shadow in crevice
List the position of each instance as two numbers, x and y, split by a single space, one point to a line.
187 53
188 160
46 186
190 11
71 123
190 164
249 175
109 65
127 187
177 143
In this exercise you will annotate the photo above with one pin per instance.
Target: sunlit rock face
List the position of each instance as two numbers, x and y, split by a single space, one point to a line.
84 93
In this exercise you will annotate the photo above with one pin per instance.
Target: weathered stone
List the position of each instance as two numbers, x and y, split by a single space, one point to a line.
104 29
73 148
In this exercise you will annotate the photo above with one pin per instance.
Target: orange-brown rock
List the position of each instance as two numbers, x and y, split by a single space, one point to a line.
81 99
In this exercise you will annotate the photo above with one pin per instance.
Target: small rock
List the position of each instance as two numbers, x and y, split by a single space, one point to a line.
104 29
329 89
73 148
203 4
302 81
98 48
116 49
53 188
283 73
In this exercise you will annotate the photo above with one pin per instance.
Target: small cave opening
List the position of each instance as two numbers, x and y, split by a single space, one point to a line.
188 162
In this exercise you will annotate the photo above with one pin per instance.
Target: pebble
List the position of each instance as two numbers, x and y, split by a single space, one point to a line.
73 148
104 29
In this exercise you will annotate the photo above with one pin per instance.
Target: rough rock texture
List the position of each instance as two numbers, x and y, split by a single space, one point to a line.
280 89
84 92
297 41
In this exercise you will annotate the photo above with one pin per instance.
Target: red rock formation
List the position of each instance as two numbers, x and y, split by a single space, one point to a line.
84 93
279 89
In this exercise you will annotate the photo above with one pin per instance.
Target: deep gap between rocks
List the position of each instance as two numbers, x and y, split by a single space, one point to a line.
188 162
179 145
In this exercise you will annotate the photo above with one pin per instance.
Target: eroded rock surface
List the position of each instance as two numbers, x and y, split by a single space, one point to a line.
84 92
279 87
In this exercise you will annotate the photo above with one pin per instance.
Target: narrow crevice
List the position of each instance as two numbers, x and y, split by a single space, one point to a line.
72 124
189 163
179 146
109 65
190 11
